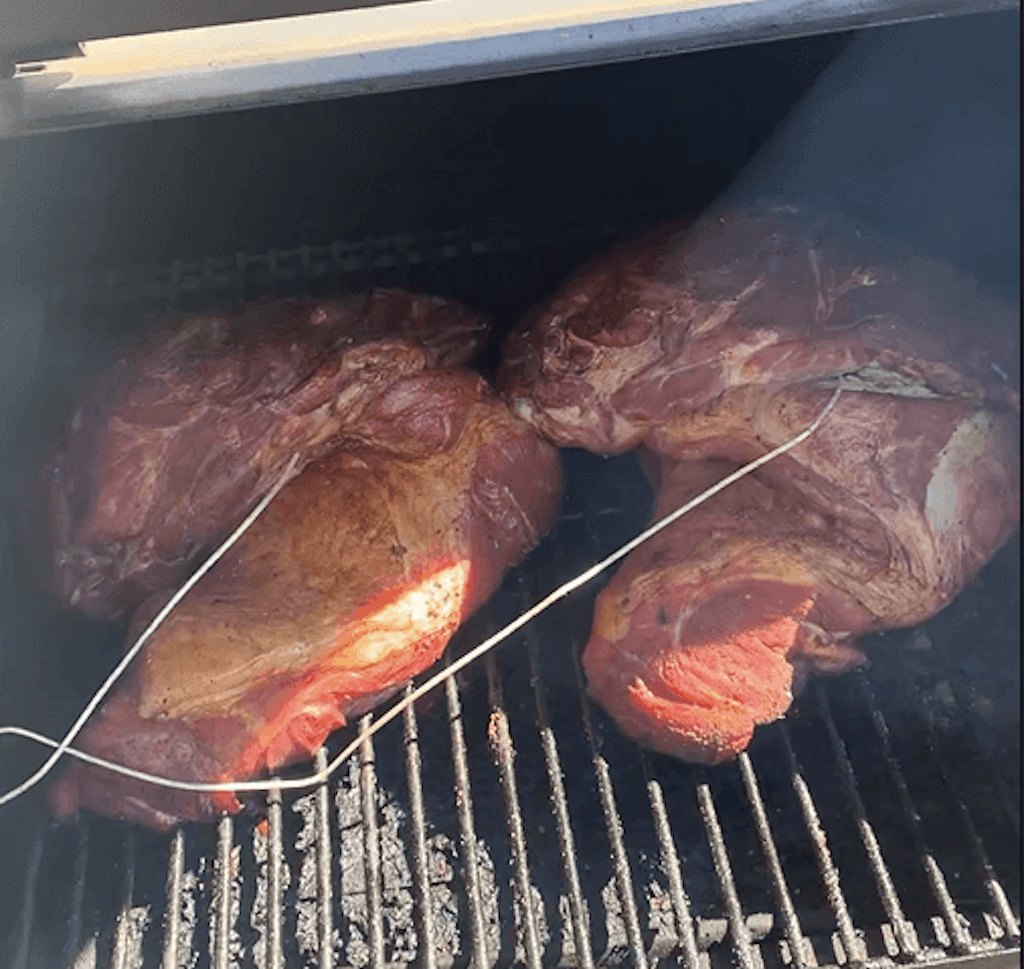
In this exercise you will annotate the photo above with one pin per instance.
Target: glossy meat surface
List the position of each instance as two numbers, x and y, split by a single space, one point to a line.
352 581
175 443
663 326
713 345
712 626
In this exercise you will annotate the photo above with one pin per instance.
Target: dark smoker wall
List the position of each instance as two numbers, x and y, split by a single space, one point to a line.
919 123
660 133
917 131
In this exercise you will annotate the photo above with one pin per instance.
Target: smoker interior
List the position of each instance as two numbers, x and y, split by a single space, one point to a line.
505 819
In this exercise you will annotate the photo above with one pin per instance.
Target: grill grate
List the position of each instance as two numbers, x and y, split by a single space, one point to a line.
953 934
855 833
560 808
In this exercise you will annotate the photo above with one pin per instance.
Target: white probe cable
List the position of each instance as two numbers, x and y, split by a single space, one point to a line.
312 780
65 745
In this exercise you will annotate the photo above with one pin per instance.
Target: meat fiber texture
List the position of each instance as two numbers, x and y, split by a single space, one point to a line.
173 445
351 582
711 345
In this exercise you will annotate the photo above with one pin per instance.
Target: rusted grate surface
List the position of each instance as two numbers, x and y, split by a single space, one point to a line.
506 822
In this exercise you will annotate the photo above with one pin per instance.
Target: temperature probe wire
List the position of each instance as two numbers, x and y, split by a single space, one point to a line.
65 745
312 780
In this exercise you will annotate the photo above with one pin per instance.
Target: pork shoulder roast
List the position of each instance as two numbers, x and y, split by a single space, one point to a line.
352 581
711 345
171 446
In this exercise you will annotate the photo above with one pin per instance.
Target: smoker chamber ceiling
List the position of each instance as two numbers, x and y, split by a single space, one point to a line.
510 823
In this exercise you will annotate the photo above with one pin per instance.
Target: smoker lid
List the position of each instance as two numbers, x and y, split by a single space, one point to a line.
179 59
38 31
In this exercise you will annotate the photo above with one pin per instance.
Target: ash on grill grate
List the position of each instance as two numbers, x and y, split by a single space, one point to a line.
846 834
506 821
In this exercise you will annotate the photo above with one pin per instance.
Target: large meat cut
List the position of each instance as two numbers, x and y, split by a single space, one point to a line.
352 581
711 345
172 445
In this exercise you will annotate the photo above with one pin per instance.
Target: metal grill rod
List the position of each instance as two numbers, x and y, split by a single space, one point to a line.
371 846
560 808
613 826
119 959
501 746
958 934
799 947
686 936
222 894
275 883
742 945
324 856
852 944
467 828
421 873
172 914
906 937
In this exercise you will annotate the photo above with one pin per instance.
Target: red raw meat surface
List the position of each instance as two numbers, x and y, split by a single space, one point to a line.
352 581
174 444
713 344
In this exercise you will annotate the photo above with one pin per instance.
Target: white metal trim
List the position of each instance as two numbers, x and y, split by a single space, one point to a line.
236 66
